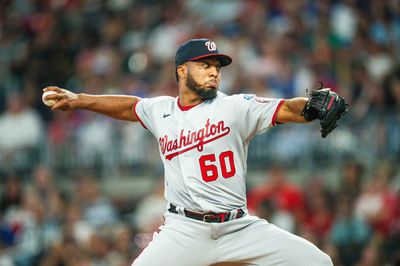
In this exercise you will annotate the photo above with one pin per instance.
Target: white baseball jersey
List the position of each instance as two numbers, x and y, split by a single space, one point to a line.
204 150
204 147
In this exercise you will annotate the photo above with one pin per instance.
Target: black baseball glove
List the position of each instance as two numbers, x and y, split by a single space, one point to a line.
327 106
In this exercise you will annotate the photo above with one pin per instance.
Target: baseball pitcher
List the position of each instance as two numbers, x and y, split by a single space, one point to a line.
203 137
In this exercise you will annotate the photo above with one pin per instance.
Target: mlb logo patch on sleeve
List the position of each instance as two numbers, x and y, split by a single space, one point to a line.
248 96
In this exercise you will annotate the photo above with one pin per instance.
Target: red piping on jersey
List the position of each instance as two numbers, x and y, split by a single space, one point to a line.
276 112
187 107
134 110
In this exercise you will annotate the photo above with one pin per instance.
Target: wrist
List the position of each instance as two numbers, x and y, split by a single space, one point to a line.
83 101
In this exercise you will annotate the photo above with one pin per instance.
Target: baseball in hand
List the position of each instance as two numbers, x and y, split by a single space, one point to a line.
48 102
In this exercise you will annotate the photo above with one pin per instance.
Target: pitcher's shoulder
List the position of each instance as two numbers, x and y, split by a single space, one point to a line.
158 100
162 99
237 98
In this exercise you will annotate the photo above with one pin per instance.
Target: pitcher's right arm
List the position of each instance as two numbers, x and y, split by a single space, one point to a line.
115 106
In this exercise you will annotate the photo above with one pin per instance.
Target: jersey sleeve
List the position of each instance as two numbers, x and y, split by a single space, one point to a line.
149 111
259 113
143 111
140 109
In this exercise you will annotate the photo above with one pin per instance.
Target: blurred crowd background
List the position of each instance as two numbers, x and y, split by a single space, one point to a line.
81 189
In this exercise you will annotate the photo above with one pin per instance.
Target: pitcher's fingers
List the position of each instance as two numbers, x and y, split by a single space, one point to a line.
53 88
60 105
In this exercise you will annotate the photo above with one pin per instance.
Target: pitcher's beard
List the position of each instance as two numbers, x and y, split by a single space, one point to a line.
204 94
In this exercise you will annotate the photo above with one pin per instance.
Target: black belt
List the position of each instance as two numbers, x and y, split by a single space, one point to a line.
209 217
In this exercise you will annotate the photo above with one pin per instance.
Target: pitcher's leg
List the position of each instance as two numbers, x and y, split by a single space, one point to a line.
262 243
180 242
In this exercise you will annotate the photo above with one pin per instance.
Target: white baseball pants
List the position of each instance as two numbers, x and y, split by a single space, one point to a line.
248 240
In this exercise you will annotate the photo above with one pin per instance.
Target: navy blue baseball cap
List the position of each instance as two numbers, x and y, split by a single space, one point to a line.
195 49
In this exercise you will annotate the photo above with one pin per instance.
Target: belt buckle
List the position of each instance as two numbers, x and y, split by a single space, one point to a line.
214 217
208 216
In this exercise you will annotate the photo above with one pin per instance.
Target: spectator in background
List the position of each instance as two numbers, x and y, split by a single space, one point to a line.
376 203
21 130
391 246
123 246
133 136
31 218
60 129
351 180
71 248
392 90
148 215
99 249
350 234
11 195
149 211
319 215
53 202
25 221
97 209
284 197
370 256
95 141
10 201
43 181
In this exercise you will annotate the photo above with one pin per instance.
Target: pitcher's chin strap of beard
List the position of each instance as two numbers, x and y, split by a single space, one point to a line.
208 94
204 94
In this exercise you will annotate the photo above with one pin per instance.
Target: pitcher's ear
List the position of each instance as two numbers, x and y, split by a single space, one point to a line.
181 71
